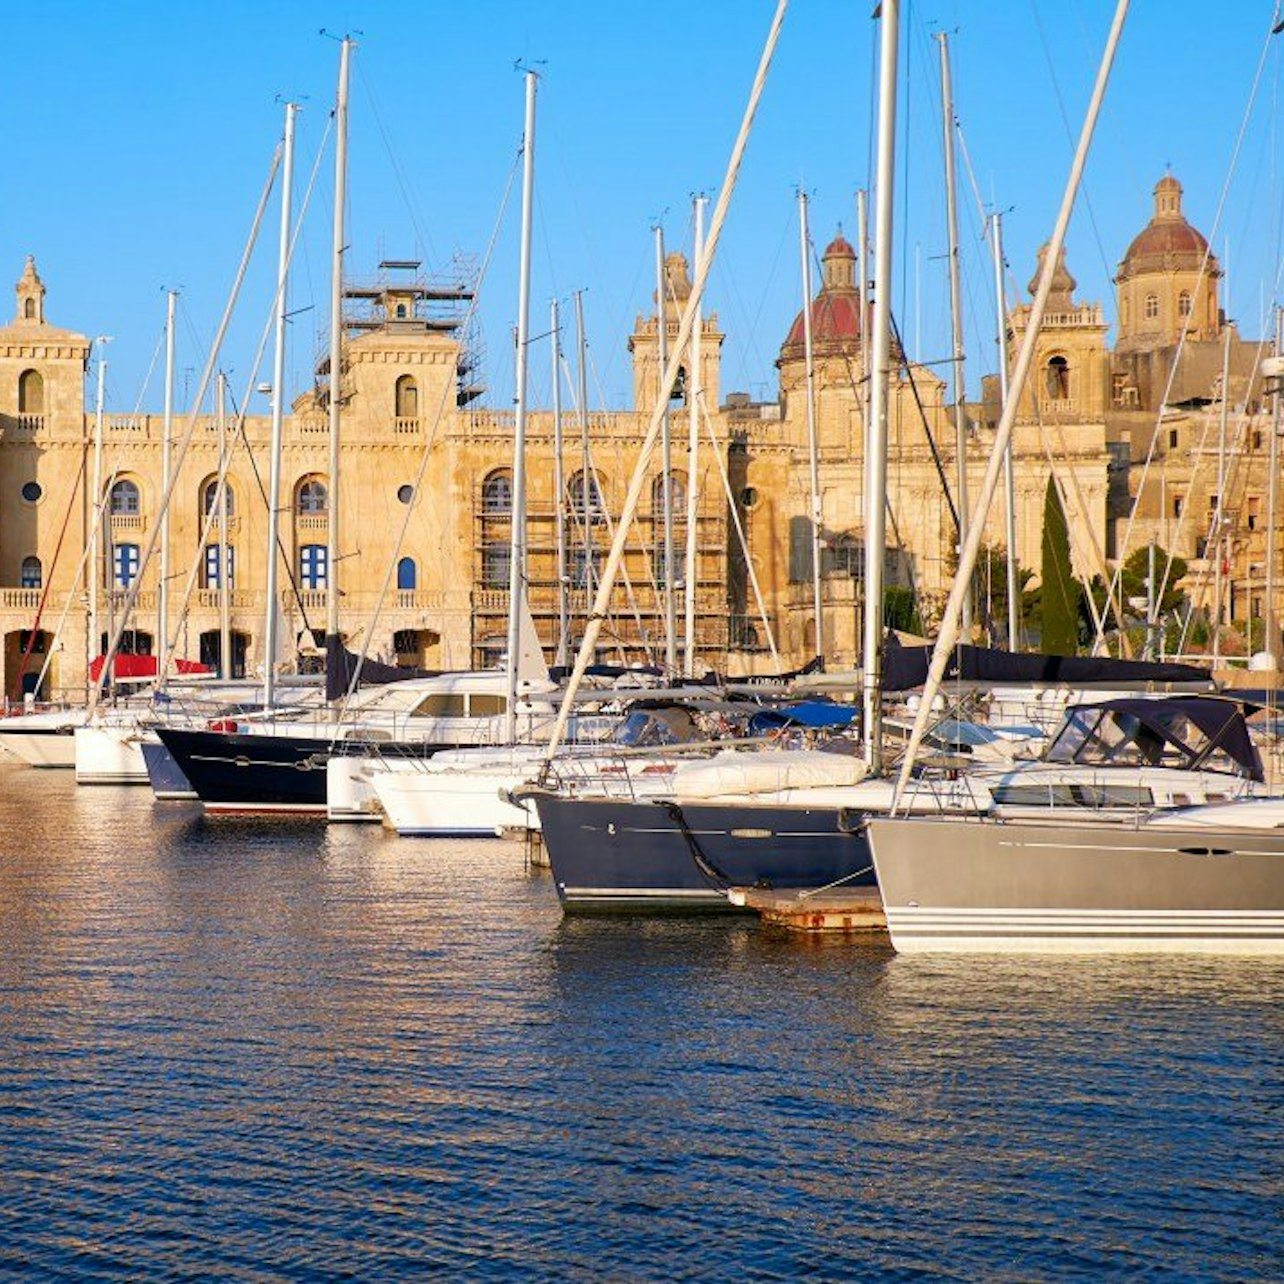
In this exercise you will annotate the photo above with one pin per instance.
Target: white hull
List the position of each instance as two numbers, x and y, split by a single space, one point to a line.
45 747
423 802
107 755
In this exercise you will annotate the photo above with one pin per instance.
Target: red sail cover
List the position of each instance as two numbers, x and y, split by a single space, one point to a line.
133 667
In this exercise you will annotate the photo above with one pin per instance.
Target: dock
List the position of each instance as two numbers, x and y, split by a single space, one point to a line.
856 911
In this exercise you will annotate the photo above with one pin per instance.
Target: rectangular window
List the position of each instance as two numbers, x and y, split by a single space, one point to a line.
312 566
1253 512
212 579
1172 439
126 564
1178 503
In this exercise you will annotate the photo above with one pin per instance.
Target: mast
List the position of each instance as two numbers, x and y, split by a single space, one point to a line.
271 640
559 489
1009 479
517 547
813 445
956 304
336 342
876 432
666 455
1219 512
695 387
224 557
1272 535
948 633
587 489
98 569
167 434
862 265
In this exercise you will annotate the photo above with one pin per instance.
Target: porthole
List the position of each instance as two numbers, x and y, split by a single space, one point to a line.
748 497
405 493
31 491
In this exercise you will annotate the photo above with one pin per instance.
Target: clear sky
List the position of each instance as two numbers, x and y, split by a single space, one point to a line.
140 133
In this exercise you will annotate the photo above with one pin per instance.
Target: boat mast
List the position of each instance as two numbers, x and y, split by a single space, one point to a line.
167 434
224 562
666 455
588 490
1272 535
948 633
876 432
1009 479
956 303
271 640
559 489
695 389
98 569
517 547
813 445
336 341
1219 512
862 264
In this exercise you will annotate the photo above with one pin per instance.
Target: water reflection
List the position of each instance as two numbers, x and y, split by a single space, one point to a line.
277 1048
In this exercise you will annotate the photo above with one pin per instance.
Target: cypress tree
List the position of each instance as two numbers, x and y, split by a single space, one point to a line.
1059 595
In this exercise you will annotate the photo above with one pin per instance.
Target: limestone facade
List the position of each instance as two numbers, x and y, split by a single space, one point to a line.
425 489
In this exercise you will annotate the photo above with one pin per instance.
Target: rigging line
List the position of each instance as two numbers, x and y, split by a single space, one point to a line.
734 509
430 441
239 436
1222 199
1069 133
397 170
630 596
147 378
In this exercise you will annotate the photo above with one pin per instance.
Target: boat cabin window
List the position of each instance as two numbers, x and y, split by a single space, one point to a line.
1093 796
457 704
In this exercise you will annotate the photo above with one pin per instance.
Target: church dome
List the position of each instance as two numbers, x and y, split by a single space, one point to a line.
835 311
1168 241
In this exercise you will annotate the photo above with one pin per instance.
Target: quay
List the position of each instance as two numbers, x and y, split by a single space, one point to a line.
852 911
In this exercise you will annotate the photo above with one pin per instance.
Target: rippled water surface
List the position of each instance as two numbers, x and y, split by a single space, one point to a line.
275 1050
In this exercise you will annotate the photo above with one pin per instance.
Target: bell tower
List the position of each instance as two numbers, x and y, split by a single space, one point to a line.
31 295
644 343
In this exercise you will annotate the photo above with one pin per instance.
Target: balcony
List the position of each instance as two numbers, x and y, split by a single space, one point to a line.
135 522
311 521
406 424
20 599
240 599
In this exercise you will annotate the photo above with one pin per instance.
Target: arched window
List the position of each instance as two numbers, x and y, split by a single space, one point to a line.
31 392
1058 378
1183 304
496 559
210 570
584 498
126 564
312 566
1152 307
497 493
407 574
32 573
209 498
407 397
124 498
679 491
312 496
29 309
1125 311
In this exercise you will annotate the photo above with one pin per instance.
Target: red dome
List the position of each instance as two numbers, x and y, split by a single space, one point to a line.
1167 234
839 247
835 318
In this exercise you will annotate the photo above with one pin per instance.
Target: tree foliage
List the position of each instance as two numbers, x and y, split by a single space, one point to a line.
1059 596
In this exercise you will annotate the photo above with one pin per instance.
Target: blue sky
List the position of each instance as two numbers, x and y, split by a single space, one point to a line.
142 134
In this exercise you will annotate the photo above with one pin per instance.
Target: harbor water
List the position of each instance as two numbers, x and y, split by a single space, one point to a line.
280 1050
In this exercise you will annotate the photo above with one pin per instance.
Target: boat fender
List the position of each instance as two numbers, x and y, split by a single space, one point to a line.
221 724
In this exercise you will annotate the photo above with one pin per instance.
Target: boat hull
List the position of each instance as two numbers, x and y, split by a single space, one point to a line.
979 887
165 776
42 746
630 856
108 755
255 774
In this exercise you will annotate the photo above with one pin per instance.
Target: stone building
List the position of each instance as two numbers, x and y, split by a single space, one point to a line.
425 494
